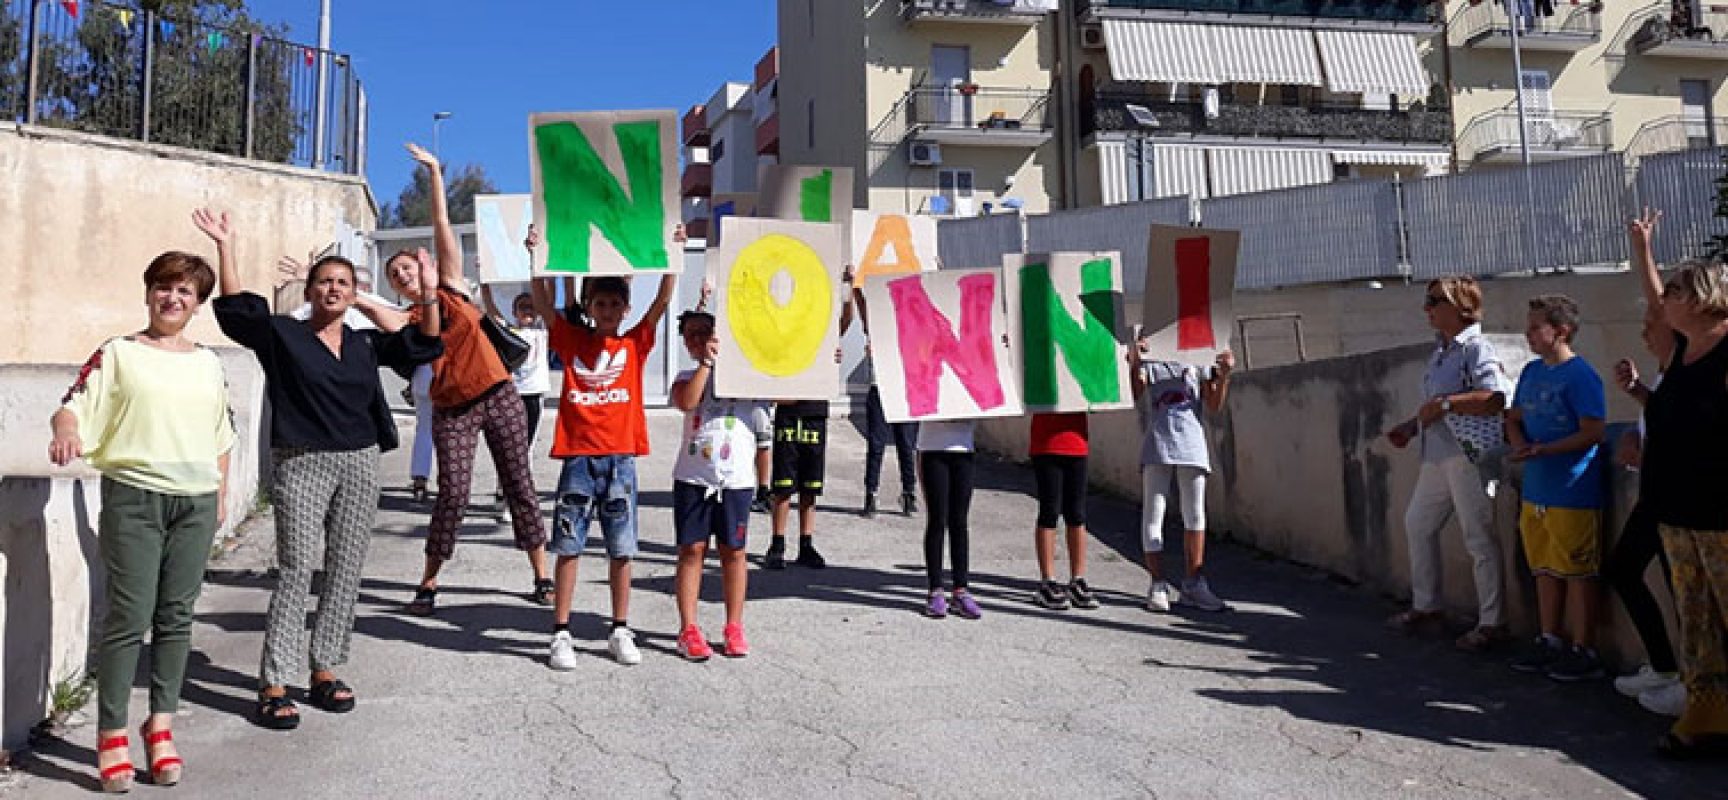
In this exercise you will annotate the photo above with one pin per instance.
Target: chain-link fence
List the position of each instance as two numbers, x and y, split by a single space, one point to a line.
119 70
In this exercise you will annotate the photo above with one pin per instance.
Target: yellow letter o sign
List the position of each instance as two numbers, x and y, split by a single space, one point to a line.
779 340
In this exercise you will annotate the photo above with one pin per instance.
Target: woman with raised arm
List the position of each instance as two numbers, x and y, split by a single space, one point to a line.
150 412
329 421
472 396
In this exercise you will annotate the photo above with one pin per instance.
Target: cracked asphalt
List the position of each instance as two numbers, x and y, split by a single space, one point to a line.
1296 692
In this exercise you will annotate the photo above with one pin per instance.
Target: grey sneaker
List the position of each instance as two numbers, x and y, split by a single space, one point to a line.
1196 593
1542 655
1578 664
563 656
1159 597
622 643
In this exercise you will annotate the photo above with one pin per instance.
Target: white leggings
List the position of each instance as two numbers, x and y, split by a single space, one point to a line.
1191 489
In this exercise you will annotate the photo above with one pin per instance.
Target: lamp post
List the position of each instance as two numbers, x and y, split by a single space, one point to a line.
438 118
321 115
1517 18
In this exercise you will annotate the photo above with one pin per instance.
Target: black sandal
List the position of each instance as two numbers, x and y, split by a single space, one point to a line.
323 695
270 713
543 590
424 603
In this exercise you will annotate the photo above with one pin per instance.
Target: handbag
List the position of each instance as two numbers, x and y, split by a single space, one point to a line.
1478 436
513 350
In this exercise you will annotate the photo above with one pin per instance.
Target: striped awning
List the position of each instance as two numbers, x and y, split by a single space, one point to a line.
1360 62
1241 170
1160 52
1178 170
1434 162
1265 55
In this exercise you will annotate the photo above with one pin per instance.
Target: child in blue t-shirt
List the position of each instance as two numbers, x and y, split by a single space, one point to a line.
1555 427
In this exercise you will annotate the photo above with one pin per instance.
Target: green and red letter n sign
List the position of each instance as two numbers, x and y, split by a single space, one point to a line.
1067 316
605 191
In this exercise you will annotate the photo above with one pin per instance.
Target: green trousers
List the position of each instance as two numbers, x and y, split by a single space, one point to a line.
155 547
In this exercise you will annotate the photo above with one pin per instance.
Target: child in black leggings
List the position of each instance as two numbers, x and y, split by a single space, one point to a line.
945 459
1656 685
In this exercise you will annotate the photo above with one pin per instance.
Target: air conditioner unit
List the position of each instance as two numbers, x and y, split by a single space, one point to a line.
925 154
1092 37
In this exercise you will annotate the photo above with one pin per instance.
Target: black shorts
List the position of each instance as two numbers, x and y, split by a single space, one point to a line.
800 452
725 516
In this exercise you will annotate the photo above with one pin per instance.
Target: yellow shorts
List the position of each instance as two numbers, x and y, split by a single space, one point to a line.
1562 542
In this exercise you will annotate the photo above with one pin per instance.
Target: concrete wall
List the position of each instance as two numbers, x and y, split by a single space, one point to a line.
822 63
81 216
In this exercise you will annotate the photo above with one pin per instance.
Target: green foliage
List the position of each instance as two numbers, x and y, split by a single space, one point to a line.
413 207
71 693
1717 247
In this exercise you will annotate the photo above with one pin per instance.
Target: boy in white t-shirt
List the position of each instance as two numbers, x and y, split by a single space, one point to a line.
725 447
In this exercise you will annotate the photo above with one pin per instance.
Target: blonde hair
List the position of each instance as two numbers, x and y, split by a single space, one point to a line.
1704 284
1463 293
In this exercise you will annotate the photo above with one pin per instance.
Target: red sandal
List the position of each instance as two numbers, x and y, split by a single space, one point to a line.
164 772
116 779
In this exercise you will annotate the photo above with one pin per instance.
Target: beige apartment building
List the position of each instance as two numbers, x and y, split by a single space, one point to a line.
1617 75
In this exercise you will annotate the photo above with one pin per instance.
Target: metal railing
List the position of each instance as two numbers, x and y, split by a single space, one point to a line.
1709 28
1488 19
977 107
124 71
1396 11
1669 134
1311 121
1555 131
1479 223
1027 11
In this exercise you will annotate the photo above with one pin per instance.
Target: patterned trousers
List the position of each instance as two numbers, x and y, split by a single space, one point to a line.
456 433
1699 560
327 498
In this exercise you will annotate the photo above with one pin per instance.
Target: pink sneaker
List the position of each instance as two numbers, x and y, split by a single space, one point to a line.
692 645
736 647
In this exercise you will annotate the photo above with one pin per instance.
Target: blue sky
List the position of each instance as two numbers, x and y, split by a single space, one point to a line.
492 63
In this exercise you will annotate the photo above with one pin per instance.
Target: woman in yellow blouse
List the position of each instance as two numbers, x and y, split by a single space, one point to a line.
150 412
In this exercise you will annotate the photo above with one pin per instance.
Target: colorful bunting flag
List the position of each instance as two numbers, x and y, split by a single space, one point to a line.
310 56
125 15
71 7
167 29
214 40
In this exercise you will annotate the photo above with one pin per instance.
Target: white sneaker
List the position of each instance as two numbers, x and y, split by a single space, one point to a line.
1669 701
1159 597
1644 680
1197 593
622 643
563 657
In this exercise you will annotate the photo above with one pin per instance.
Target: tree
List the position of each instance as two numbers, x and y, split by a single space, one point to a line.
93 80
413 207
1717 248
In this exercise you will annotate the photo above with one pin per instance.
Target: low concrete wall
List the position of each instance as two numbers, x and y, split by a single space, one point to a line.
49 563
1302 471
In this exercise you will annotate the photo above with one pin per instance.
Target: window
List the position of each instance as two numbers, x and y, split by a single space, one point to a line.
1695 113
954 187
810 123
1290 95
718 151
1538 90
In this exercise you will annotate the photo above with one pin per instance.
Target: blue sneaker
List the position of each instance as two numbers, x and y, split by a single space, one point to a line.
937 607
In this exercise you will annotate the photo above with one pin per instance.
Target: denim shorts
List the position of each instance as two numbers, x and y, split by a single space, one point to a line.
590 487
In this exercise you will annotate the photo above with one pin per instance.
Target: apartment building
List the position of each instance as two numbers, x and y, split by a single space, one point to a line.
727 141
1598 76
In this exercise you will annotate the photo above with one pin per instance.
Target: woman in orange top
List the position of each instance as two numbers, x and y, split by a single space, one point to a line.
472 395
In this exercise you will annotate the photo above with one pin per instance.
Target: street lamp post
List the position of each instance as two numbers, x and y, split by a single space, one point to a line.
321 115
1516 19
438 118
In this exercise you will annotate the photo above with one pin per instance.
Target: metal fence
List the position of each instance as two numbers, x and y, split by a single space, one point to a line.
120 70
1682 184
1554 216
1120 227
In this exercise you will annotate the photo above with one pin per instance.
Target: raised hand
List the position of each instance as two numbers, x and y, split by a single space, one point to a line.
428 272
678 234
533 239
288 270
65 448
1626 374
422 157
1225 364
1642 229
215 226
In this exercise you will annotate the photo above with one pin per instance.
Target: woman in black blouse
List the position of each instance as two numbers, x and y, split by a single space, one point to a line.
329 422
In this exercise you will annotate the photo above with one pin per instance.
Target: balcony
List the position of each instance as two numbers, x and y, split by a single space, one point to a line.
698 180
696 228
990 12
1670 134
1353 14
768 68
1553 135
1316 121
1488 27
968 114
1674 36
768 136
695 127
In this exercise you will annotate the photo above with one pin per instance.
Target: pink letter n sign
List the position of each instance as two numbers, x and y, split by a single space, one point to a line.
940 346
1190 280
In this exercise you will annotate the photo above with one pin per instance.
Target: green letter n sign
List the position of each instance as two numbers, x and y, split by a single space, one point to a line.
581 194
1088 347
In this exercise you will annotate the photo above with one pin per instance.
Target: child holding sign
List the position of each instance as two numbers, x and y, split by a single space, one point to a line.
1170 396
945 461
725 446
601 429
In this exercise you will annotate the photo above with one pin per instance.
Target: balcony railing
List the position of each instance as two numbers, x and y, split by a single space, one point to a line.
1411 125
768 136
1670 134
1009 12
1488 24
1417 12
1494 135
698 180
695 126
1680 36
970 107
